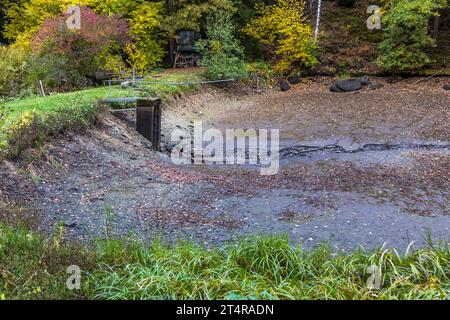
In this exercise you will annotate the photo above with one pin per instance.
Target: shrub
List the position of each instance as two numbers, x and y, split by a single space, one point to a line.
222 54
260 74
405 35
260 69
54 71
24 131
69 58
13 67
283 30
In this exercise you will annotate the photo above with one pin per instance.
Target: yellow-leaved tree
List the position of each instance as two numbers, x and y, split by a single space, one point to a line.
284 32
25 18
146 51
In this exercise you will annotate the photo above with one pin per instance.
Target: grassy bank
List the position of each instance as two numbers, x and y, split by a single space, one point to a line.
263 268
24 122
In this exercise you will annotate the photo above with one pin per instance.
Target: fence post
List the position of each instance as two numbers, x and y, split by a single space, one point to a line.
42 88
148 120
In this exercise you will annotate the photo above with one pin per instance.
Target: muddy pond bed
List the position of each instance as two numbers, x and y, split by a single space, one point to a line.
356 170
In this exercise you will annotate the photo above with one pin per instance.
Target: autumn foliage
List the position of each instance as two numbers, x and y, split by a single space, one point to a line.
96 30
77 54
147 49
284 31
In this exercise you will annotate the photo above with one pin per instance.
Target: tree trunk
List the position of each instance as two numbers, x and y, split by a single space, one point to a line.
436 26
311 4
316 31
169 6
172 44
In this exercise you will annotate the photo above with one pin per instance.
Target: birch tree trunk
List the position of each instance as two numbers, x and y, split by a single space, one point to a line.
316 31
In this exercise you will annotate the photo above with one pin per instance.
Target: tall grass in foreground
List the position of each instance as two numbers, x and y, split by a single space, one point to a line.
269 268
258 268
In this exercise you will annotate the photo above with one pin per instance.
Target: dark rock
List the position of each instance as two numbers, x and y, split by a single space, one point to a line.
334 88
346 85
284 85
294 79
365 80
446 87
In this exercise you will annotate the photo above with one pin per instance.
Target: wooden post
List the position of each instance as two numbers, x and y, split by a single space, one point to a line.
42 88
148 120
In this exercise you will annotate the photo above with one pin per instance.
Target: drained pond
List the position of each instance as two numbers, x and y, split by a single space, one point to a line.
355 170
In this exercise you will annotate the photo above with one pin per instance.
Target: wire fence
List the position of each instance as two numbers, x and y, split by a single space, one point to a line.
145 83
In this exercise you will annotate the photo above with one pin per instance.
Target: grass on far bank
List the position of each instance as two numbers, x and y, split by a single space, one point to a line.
23 122
32 267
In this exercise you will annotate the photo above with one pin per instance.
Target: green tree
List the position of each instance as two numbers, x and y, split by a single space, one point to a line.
406 35
189 15
222 54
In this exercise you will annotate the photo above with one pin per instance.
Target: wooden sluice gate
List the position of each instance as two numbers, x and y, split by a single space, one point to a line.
148 117
148 120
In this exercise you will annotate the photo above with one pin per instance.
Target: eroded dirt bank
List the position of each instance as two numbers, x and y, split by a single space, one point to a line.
391 195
